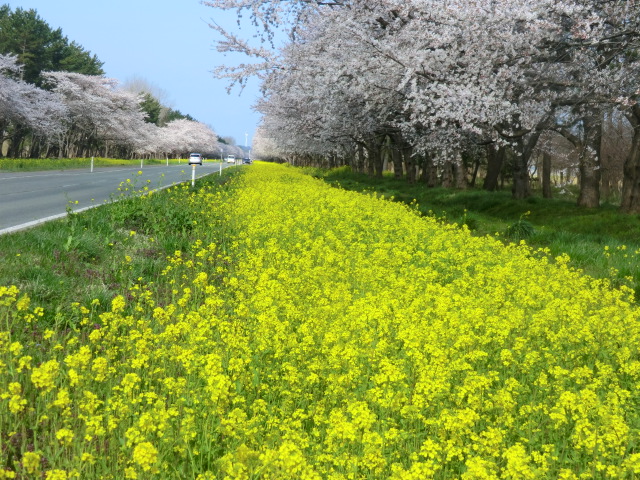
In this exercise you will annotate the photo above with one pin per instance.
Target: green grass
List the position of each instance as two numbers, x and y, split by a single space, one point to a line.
36 164
603 242
101 252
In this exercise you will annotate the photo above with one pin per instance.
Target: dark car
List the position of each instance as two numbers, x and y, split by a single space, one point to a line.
246 161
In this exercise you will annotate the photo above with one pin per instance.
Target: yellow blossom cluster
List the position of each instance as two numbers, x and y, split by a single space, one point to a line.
323 334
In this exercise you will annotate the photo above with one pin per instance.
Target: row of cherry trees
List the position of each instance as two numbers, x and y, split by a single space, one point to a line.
86 115
428 84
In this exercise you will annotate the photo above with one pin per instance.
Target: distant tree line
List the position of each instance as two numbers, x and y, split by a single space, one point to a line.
55 102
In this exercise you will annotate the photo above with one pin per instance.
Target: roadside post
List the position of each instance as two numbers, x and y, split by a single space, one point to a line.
91 164
193 175
220 167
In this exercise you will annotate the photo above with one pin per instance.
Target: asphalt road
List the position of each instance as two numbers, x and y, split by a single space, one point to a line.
30 198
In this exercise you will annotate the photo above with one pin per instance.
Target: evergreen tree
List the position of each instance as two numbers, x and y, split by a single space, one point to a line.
177 115
152 108
39 48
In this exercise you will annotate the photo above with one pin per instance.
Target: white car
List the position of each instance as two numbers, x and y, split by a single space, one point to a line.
231 159
195 159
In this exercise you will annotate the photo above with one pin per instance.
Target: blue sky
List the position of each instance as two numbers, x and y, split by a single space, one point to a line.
169 44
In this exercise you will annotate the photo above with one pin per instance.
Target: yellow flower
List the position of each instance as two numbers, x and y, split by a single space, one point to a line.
16 403
9 293
24 363
31 462
45 375
23 303
118 304
145 455
56 475
15 348
14 388
100 368
480 469
63 401
201 280
65 436
518 463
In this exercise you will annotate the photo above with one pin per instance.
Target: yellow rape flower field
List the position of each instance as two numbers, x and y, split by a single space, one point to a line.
328 335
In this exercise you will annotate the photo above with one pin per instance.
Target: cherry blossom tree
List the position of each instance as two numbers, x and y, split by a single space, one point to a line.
102 116
439 77
183 136
25 107
86 115
265 147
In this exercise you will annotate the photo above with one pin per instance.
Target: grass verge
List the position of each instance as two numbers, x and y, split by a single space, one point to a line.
97 254
38 164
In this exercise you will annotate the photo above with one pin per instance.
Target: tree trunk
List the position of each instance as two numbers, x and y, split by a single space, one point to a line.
589 182
360 158
546 175
409 164
631 184
3 136
474 175
590 164
34 150
378 160
395 145
630 202
605 181
350 159
447 173
523 146
16 142
371 154
459 172
521 187
429 171
396 156
495 160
